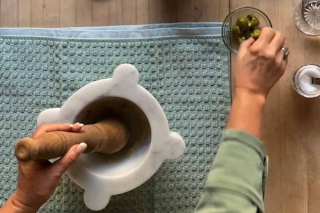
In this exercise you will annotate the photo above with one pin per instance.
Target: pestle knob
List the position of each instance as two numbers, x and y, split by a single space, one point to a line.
107 137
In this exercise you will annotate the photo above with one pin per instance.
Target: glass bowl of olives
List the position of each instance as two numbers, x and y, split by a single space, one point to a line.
241 24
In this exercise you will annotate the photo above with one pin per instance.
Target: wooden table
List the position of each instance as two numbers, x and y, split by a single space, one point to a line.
291 130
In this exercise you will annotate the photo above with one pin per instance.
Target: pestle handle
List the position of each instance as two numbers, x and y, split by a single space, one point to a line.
107 137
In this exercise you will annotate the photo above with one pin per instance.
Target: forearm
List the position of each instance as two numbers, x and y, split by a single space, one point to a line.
14 206
246 112
237 179
235 182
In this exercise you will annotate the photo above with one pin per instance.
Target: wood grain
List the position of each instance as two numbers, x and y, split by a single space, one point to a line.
143 11
70 13
215 7
166 11
107 137
24 13
224 9
216 10
67 13
115 12
83 13
129 12
9 13
185 10
153 11
200 8
100 13
36 15
51 13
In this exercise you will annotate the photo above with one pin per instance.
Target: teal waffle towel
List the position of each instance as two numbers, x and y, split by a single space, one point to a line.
185 66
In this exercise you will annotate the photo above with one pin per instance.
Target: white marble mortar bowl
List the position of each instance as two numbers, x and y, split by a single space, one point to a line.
151 142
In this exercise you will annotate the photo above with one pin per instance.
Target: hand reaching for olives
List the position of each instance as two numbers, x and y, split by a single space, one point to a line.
246 28
260 64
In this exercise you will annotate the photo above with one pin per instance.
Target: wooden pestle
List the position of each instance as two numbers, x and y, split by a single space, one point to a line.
107 137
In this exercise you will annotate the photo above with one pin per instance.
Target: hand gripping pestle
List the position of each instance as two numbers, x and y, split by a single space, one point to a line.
107 137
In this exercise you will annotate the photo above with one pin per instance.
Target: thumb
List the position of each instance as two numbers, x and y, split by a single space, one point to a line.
244 47
61 165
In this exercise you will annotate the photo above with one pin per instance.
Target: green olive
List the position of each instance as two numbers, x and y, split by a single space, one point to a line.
237 35
236 31
246 28
242 23
252 21
241 39
247 33
256 33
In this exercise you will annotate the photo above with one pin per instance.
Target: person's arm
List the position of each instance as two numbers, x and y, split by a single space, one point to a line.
37 180
237 179
235 183
14 205
246 112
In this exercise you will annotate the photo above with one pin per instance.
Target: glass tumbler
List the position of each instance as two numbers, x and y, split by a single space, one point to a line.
307 17
306 81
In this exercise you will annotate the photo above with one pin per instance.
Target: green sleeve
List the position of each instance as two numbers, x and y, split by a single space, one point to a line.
237 179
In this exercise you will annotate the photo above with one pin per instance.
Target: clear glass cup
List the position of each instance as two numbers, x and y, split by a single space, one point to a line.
307 17
230 22
302 81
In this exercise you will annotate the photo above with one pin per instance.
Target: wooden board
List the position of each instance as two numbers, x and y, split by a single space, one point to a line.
83 13
24 13
68 13
51 14
86 13
36 14
9 13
